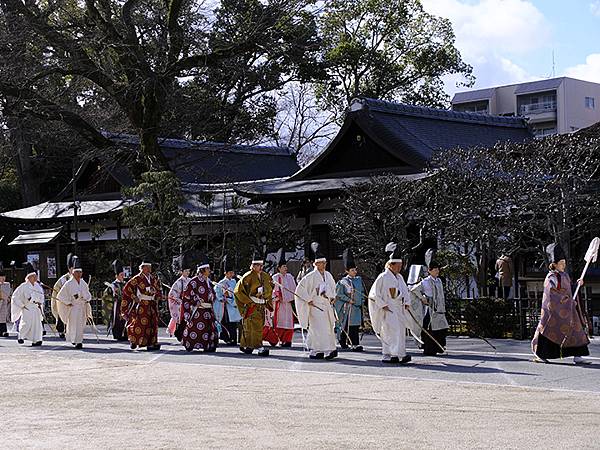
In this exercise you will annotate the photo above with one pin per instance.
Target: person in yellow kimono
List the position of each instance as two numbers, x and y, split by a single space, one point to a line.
253 293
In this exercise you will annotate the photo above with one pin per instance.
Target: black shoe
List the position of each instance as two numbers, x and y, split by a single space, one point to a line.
332 355
317 356
246 350
44 333
406 359
189 349
5 334
73 344
286 344
263 351
152 348
344 346
210 350
20 341
358 348
62 335
78 346
394 360
133 346
36 344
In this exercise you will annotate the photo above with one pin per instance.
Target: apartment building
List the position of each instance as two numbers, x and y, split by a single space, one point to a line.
556 105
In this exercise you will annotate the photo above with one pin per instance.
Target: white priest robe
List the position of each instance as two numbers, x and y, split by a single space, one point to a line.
74 307
27 301
320 323
389 290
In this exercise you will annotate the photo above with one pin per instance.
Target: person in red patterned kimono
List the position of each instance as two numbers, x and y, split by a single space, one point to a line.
197 311
561 331
139 308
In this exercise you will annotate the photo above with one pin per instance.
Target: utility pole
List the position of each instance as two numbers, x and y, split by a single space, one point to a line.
75 207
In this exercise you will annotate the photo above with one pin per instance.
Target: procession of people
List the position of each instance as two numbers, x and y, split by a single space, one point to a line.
260 308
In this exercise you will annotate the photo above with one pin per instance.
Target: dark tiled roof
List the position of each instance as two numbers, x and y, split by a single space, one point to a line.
473 96
539 86
212 162
413 133
324 186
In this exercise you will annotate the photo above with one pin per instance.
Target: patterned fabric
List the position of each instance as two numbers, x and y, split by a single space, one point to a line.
560 320
201 331
141 315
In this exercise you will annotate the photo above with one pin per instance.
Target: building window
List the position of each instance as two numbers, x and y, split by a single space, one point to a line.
543 132
537 103
590 103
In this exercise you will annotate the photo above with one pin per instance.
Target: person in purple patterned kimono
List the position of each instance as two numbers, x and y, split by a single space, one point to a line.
561 331
197 311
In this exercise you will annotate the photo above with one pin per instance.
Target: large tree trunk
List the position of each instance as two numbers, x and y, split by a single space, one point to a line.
29 179
146 114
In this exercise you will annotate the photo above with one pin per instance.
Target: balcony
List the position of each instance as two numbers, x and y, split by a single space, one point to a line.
537 108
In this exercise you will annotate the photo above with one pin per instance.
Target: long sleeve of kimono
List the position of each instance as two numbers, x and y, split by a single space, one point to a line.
378 289
359 293
129 296
303 296
220 292
64 295
242 291
341 291
278 290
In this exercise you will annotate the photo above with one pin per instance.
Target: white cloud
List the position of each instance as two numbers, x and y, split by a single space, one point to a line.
595 8
590 71
489 33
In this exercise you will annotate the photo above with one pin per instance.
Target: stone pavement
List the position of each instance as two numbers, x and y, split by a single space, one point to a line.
107 396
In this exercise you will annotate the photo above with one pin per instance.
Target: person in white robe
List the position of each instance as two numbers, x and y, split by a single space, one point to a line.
314 296
388 300
54 303
26 307
5 295
74 305
184 264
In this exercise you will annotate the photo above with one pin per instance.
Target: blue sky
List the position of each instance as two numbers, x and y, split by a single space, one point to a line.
508 41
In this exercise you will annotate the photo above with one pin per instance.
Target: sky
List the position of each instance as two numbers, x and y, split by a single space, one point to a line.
511 41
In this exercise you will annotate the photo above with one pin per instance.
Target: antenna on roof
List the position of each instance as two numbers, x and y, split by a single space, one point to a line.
553 66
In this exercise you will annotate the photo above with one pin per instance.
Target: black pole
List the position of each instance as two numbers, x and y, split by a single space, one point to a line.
75 224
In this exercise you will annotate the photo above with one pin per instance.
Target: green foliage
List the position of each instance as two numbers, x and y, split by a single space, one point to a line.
159 228
489 317
386 49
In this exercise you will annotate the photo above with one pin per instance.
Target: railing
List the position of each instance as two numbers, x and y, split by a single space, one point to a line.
533 108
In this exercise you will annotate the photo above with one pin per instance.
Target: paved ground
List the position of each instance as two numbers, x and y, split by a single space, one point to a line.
107 396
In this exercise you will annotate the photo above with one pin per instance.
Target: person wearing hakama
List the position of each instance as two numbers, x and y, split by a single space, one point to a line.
26 307
139 308
350 292
5 295
279 324
314 296
184 265
60 325
227 315
112 296
200 331
253 293
430 293
561 331
74 305
388 299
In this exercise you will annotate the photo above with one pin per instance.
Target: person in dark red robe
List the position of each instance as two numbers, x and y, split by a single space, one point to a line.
139 308
200 331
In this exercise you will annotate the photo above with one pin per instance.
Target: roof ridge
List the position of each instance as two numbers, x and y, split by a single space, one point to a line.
191 144
436 113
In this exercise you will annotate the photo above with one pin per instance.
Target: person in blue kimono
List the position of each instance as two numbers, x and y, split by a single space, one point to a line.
350 293
226 312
